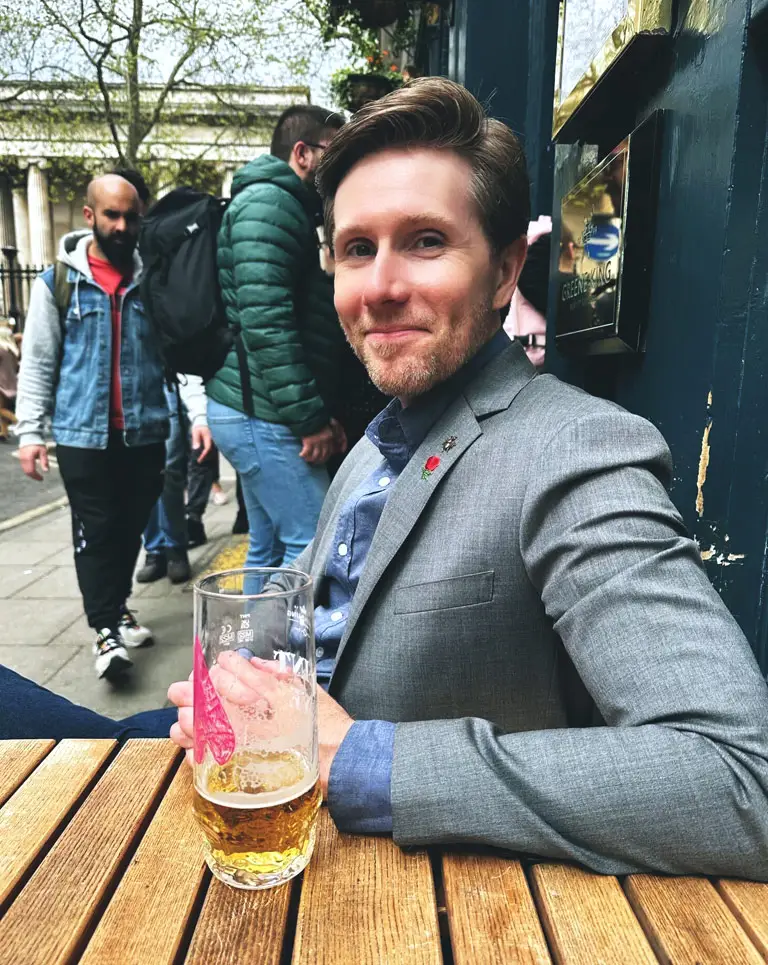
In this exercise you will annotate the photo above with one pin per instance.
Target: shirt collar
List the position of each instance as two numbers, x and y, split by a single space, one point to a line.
397 432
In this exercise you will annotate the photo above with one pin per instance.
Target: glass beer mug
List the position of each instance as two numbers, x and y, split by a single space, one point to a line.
256 779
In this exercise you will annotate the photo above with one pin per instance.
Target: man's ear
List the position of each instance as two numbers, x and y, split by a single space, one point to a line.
301 159
510 264
88 214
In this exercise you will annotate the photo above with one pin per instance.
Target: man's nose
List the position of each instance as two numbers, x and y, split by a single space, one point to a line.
387 281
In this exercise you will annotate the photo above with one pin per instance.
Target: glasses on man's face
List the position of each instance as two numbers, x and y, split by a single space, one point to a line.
531 341
321 147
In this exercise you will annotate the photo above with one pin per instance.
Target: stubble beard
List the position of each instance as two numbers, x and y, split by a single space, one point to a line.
416 374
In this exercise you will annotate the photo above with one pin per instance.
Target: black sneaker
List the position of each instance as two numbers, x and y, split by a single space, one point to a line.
112 659
195 532
155 568
178 566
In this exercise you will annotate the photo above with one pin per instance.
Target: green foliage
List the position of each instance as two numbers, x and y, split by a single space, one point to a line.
130 61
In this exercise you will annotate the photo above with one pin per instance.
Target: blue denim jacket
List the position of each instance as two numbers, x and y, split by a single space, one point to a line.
80 404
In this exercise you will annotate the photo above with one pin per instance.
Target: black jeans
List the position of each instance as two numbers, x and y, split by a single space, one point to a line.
111 492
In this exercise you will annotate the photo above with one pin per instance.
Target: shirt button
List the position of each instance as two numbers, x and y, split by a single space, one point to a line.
337 615
319 652
384 481
343 549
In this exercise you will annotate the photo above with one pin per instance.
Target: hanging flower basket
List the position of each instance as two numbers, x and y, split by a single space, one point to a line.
363 88
380 13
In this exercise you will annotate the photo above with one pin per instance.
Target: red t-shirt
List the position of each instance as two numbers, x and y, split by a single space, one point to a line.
114 283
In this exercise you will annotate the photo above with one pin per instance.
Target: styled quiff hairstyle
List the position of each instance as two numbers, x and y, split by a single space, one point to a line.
433 112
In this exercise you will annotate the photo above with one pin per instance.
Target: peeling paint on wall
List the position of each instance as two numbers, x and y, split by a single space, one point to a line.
719 557
703 466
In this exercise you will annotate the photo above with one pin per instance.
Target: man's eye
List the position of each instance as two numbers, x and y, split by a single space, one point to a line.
428 242
359 249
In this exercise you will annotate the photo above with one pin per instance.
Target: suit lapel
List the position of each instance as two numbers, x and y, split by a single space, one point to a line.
409 497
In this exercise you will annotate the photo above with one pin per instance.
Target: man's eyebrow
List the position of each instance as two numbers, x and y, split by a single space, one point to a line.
424 219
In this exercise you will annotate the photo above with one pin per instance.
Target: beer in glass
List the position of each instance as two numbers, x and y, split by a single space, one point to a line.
256 782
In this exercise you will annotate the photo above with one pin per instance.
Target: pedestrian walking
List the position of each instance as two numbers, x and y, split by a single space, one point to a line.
91 365
271 409
166 535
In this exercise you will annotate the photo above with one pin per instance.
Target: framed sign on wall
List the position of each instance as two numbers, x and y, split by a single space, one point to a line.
606 248
598 37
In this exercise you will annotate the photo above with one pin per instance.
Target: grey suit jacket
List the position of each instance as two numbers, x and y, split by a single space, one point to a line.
541 572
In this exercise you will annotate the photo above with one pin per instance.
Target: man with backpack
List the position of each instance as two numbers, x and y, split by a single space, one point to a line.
92 364
270 405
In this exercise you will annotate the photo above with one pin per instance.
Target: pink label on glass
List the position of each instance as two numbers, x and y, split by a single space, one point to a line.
212 726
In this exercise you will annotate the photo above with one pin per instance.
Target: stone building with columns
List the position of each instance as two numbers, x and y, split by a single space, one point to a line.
53 140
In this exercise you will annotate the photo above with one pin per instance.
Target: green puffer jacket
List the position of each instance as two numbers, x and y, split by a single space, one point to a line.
273 285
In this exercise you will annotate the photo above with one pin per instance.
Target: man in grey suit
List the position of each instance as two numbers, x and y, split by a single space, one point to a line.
522 647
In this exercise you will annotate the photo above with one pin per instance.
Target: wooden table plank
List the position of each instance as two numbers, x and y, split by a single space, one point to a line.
146 919
491 914
688 922
18 758
748 901
587 918
36 810
237 926
49 920
366 901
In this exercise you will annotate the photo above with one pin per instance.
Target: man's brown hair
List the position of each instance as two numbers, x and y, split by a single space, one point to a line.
437 113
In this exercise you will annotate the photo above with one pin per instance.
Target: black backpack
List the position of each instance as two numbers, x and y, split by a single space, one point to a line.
180 286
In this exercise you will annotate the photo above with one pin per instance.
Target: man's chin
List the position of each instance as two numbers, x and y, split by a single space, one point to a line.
404 378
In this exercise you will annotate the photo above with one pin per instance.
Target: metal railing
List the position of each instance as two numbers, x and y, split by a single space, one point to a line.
15 286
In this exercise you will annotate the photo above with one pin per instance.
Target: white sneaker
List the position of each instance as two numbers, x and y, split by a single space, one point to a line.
131 632
112 659
219 497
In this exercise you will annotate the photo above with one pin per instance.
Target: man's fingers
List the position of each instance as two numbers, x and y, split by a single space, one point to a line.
28 464
44 459
181 693
186 722
178 737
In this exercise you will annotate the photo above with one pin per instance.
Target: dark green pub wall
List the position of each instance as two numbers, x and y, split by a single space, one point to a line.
702 376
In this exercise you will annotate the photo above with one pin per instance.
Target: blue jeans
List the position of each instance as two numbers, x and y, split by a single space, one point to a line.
167 526
283 494
28 711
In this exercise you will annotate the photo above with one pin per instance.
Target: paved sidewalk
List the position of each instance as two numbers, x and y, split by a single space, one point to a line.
44 634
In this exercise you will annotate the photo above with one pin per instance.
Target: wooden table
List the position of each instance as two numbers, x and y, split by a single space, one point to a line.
100 863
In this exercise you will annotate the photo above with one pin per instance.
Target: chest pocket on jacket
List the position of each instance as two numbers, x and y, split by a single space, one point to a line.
458 591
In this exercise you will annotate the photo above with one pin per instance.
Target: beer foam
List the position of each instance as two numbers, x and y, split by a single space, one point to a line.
262 799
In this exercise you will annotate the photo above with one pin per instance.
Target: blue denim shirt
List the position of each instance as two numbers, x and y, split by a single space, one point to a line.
359 787
81 405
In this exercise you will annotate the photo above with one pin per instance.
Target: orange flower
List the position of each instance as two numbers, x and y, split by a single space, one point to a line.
385 53
393 67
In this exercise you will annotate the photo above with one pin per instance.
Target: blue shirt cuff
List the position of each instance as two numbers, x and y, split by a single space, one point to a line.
359 788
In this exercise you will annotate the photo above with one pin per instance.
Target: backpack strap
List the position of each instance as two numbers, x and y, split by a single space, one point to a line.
245 375
62 291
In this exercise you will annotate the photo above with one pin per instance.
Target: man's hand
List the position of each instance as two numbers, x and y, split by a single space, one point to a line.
29 455
201 439
340 437
333 722
318 448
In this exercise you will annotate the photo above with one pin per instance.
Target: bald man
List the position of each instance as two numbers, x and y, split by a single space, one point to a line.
91 364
